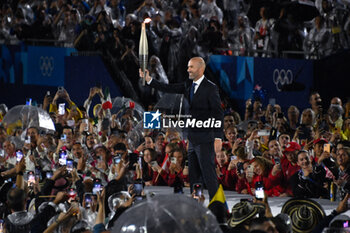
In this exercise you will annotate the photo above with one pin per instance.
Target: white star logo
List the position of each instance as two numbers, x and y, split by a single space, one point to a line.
155 115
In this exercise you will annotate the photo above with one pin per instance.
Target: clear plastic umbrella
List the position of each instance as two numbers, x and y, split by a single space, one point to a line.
127 108
25 116
135 136
167 213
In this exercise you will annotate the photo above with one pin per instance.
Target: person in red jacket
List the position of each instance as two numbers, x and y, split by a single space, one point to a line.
264 171
289 164
176 169
150 168
226 170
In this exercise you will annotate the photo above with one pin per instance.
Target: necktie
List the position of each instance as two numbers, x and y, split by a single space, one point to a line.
192 91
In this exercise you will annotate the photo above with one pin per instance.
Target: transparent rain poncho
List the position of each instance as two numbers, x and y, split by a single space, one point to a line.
167 213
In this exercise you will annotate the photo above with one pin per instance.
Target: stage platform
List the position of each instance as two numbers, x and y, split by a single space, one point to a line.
232 198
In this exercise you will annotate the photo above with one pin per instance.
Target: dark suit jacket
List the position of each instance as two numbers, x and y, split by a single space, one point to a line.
205 104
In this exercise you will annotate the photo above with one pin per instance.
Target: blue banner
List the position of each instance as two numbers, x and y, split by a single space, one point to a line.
46 65
288 81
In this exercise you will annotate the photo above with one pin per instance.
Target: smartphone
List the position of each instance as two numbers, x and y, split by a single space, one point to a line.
97 186
27 140
327 147
2 153
277 160
250 170
346 224
63 137
49 174
138 187
48 93
186 163
69 164
31 178
259 191
72 193
263 132
198 190
86 122
305 132
61 109
173 160
62 158
19 155
154 163
240 168
117 159
233 157
88 199
38 174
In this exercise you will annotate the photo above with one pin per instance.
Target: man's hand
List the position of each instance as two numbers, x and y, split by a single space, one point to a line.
217 145
21 166
276 169
60 172
147 77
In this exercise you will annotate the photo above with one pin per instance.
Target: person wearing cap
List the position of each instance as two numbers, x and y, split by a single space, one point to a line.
309 181
324 158
289 164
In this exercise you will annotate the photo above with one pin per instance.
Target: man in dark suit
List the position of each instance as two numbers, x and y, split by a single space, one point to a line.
204 104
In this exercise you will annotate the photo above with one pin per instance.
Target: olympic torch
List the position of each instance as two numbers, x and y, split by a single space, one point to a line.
143 49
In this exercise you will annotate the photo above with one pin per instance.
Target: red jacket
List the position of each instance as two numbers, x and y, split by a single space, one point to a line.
272 184
288 171
170 178
228 178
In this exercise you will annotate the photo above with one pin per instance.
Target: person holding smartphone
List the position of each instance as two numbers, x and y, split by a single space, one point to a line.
176 169
149 170
310 179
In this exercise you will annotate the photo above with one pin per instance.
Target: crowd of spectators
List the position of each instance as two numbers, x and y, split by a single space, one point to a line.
179 30
303 154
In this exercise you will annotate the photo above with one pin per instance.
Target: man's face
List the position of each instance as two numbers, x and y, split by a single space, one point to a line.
293 114
314 99
336 101
9 148
195 71
307 118
77 151
228 120
33 134
284 139
274 148
69 134
318 148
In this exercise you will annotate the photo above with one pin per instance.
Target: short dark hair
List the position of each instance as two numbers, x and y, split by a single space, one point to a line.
68 127
120 146
16 199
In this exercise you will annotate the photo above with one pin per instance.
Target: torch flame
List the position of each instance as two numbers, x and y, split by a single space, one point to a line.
147 20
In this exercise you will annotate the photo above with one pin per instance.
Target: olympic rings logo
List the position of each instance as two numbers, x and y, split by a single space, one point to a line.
282 77
46 65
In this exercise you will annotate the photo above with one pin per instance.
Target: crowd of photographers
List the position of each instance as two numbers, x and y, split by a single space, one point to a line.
49 176
179 30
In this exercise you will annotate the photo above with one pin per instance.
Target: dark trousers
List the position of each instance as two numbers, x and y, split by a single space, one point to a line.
202 166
